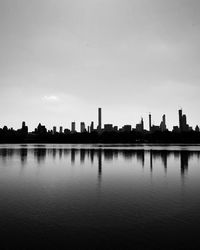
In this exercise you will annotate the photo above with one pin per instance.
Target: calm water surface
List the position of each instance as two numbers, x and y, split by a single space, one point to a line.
99 196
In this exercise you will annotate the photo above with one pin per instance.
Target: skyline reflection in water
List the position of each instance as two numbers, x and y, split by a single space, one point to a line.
102 154
100 196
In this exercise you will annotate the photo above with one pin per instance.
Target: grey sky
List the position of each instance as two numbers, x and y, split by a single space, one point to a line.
62 59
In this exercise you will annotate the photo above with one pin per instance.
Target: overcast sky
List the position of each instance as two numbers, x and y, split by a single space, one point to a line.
62 59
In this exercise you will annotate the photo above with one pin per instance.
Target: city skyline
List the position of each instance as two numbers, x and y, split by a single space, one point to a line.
82 127
129 57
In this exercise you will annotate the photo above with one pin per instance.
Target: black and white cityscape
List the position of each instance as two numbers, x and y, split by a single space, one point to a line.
106 132
99 124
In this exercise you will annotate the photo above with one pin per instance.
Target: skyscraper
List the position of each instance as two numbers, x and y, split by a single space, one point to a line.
197 128
41 129
163 126
180 113
183 126
99 120
23 124
149 122
54 130
24 128
140 126
82 127
92 127
73 127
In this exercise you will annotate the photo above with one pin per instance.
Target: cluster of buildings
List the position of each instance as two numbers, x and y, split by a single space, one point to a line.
183 127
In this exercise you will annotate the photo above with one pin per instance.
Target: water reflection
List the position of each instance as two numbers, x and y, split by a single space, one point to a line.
99 166
102 155
100 191
184 158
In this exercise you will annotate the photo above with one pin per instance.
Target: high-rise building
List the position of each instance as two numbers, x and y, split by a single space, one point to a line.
23 124
140 126
183 126
149 122
180 113
92 127
99 120
82 127
163 126
73 127
184 123
24 128
41 129
54 130
61 129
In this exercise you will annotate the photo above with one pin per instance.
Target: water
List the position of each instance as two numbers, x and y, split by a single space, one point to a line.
99 196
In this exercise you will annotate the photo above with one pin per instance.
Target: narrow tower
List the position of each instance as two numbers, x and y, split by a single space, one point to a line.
142 124
99 120
180 113
149 122
73 127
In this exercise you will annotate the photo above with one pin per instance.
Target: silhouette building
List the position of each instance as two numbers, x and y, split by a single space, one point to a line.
40 129
73 127
183 126
24 128
115 128
99 120
197 128
140 126
54 130
155 128
180 113
82 127
163 126
150 122
66 131
108 127
92 127
126 128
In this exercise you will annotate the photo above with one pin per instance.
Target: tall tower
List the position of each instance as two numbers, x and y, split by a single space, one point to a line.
92 127
73 127
82 127
24 128
163 126
164 119
23 124
149 122
184 123
180 113
99 120
54 130
142 124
